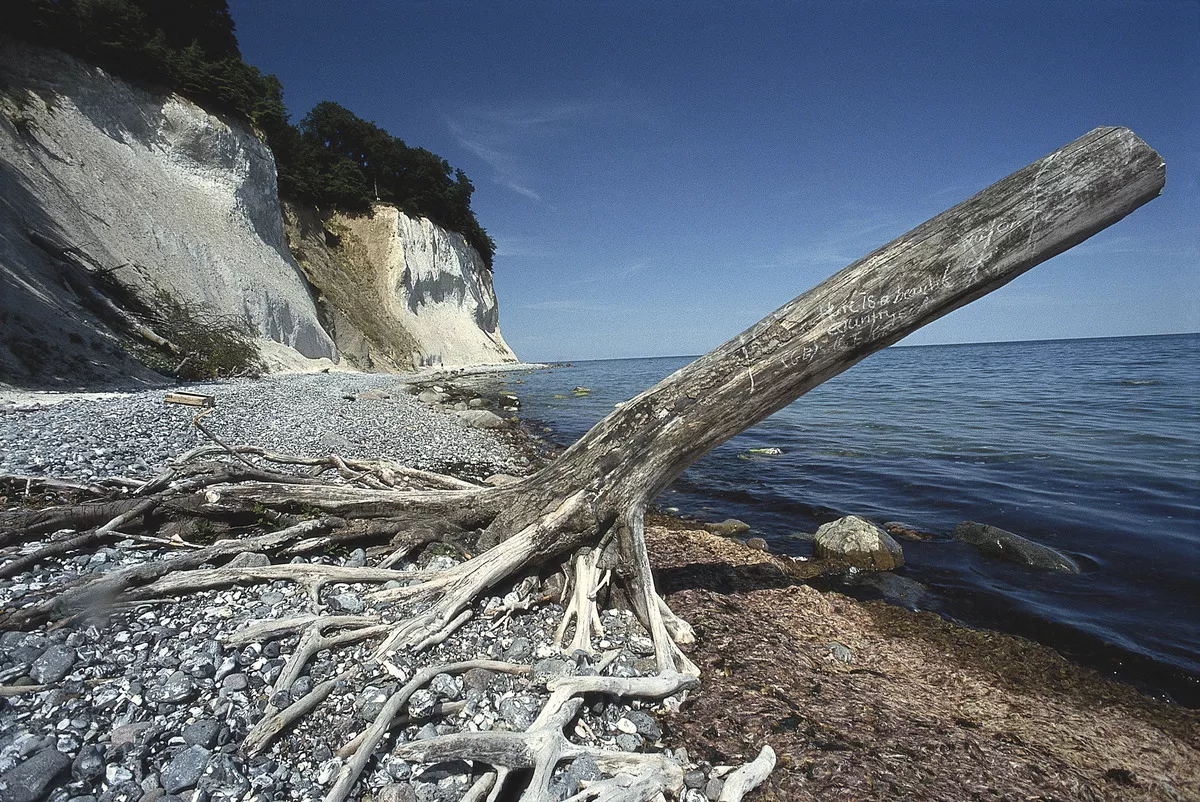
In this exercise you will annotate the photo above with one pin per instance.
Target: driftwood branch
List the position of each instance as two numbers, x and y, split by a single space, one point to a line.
587 506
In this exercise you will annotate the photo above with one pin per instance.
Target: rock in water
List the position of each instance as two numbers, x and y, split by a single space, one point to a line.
481 419
997 542
730 527
860 543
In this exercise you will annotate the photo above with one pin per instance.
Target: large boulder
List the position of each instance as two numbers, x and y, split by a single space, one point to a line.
26 782
997 542
860 543
730 527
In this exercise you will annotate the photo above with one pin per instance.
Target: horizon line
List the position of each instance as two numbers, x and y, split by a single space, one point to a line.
901 345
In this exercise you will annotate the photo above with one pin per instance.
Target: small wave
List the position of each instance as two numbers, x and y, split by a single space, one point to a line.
1138 382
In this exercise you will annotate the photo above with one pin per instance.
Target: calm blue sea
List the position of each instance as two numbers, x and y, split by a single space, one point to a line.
1089 446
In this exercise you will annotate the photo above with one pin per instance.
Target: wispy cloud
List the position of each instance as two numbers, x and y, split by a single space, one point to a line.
631 269
512 140
566 305
1107 244
833 249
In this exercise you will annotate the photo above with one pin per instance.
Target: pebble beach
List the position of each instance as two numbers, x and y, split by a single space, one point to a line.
150 702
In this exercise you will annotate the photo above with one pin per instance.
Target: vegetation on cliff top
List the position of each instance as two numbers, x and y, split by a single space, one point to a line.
332 158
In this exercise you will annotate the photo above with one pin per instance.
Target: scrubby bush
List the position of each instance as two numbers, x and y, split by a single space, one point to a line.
211 345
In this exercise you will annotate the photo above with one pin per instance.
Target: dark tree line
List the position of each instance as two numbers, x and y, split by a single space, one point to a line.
332 158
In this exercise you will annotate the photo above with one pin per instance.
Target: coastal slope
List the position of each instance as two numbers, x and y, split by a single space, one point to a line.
113 192
434 286
398 292
153 190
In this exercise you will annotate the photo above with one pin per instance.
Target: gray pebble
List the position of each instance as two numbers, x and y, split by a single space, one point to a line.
249 559
179 687
478 679
202 733
645 723
53 664
185 769
628 742
520 650
348 603
27 781
88 764
396 792
235 682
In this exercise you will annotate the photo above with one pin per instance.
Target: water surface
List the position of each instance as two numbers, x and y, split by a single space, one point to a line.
1089 446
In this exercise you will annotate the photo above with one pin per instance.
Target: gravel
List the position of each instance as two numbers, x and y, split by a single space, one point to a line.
151 702
351 415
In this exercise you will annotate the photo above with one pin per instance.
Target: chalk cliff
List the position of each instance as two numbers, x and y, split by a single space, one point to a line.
401 290
151 187
158 194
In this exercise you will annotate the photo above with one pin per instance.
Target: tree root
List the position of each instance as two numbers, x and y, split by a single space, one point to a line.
459 586
107 587
436 603
381 474
543 745
582 609
745 779
370 739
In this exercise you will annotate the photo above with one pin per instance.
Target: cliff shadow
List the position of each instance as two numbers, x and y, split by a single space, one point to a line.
48 338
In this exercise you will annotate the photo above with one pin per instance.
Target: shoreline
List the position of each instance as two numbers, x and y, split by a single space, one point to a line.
923 708
867 700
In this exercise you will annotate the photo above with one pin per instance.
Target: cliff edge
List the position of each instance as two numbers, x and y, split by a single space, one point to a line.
399 292
109 192
151 190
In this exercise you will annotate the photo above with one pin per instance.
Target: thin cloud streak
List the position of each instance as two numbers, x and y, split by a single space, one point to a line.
509 139
570 305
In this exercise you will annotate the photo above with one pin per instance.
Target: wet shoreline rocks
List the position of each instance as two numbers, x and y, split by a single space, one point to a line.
860 543
996 542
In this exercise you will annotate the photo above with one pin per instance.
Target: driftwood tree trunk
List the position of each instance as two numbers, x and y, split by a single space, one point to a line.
587 506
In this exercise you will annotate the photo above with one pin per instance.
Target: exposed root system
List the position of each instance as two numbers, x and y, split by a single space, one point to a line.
410 609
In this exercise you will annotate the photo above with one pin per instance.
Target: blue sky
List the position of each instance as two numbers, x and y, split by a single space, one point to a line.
658 176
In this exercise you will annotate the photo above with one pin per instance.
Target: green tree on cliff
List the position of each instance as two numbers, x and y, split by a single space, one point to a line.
333 158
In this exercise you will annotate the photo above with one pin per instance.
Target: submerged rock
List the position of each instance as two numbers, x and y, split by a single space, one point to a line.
728 528
997 542
860 543
896 589
900 529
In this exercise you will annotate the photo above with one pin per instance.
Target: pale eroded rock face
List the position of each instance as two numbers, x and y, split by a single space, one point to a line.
183 200
435 286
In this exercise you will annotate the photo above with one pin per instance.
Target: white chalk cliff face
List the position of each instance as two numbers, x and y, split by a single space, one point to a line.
154 187
435 286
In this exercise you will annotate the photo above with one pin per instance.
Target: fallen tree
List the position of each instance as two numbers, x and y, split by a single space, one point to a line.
584 509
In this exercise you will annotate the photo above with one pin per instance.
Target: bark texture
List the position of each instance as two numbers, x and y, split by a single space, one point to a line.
586 507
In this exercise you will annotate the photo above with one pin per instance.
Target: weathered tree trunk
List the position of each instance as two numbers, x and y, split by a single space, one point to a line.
589 503
949 261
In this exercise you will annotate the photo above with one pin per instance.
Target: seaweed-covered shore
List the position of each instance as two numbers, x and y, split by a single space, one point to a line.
860 700
865 700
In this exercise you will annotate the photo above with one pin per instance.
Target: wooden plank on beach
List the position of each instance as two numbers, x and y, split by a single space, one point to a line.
190 399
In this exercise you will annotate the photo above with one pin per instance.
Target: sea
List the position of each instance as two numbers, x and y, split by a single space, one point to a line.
1090 446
